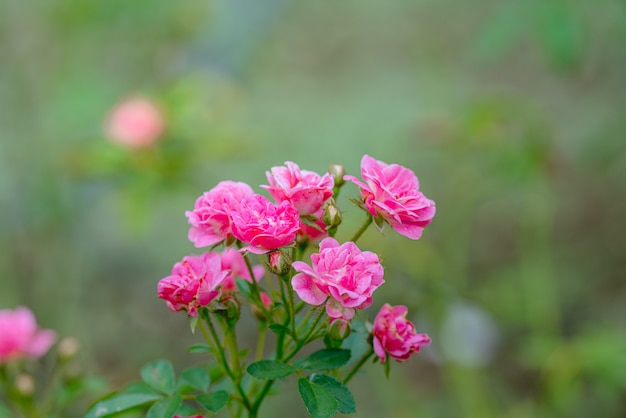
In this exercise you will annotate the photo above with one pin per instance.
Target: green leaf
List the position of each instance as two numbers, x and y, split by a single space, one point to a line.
387 367
270 369
280 329
193 323
245 288
194 379
339 391
134 395
165 408
213 401
325 359
318 400
200 348
159 374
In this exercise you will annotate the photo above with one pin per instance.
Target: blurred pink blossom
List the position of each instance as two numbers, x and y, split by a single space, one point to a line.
395 335
135 122
235 264
392 192
210 219
306 190
264 225
194 283
344 273
20 337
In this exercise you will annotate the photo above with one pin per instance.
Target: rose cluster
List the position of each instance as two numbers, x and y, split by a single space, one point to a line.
340 276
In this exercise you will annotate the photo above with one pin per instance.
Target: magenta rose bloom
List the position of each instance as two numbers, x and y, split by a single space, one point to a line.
210 219
20 337
193 283
392 192
306 190
395 335
344 273
265 226
234 263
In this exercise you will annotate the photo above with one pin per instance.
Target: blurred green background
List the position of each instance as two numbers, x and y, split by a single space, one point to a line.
511 113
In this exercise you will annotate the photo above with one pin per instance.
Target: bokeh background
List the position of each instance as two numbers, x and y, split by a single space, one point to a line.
511 113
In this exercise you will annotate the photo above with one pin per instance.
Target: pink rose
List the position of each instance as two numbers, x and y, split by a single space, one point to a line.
19 336
264 225
193 283
234 263
395 335
136 122
210 219
392 192
312 233
344 273
306 190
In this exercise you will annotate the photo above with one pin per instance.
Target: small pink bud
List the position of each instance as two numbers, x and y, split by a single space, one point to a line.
279 262
268 303
332 215
339 329
337 171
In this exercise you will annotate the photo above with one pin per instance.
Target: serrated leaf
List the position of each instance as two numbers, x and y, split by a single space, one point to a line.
270 369
213 401
339 390
159 374
325 359
199 348
280 329
318 400
194 379
120 402
165 408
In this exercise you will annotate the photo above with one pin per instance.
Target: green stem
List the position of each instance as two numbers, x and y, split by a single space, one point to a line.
357 366
363 228
305 340
260 343
255 285
222 358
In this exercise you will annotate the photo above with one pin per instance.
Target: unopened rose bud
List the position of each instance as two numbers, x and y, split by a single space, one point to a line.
279 262
332 215
268 303
25 384
339 329
229 308
67 348
337 171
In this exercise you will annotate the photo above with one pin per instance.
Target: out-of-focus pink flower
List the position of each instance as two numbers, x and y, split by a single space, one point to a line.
20 337
392 192
194 283
210 219
264 225
344 273
136 122
234 263
306 190
395 335
267 301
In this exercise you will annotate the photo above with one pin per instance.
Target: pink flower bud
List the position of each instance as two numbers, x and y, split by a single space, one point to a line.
279 262
337 171
395 336
136 122
332 216
268 303
339 329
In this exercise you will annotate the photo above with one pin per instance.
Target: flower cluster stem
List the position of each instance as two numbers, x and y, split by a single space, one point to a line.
363 228
358 365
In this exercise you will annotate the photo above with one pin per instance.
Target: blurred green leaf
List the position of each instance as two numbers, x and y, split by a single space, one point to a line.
270 369
213 401
195 378
165 408
339 391
160 375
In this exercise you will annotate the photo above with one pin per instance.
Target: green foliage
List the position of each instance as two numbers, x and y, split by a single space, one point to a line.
319 401
339 391
213 401
160 376
270 369
324 359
